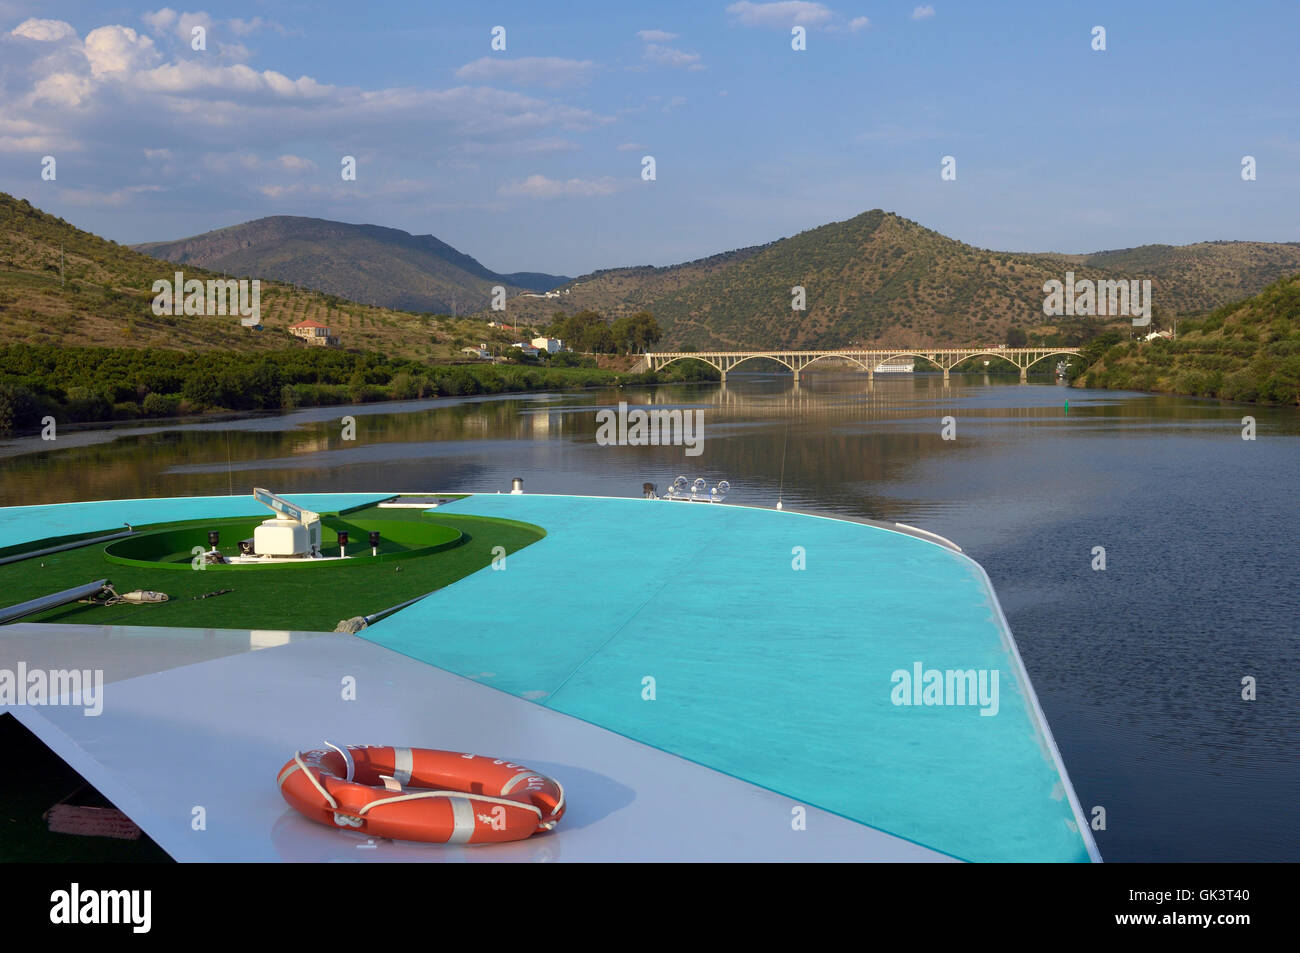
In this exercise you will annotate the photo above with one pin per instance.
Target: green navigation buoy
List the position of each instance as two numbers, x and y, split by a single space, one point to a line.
1067 406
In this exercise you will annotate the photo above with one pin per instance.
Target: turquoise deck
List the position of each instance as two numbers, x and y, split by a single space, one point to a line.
776 676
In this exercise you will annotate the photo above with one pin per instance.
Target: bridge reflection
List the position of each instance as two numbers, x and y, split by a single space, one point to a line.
848 397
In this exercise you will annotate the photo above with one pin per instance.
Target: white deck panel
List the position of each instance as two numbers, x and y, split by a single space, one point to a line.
202 721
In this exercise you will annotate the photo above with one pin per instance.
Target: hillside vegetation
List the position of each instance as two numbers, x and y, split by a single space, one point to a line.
370 263
882 279
1248 351
106 294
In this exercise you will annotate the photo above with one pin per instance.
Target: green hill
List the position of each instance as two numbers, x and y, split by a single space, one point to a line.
382 266
1248 351
104 298
880 278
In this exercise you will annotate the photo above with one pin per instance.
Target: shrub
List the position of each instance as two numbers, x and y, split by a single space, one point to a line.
18 408
88 403
160 405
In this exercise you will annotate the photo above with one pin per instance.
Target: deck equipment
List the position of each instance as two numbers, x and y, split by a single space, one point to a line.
421 794
54 599
295 532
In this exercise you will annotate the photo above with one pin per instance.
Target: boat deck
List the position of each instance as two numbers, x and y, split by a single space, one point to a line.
641 648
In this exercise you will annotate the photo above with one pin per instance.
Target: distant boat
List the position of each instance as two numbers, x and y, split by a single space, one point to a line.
896 365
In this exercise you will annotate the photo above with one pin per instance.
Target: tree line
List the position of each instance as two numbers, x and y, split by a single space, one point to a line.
90 384
589 332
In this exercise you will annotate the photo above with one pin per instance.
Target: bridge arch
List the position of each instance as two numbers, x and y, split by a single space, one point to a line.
725 363
838 357
768 356
687 357
1043 357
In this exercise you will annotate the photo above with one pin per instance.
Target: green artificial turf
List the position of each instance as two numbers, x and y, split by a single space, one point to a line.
310 598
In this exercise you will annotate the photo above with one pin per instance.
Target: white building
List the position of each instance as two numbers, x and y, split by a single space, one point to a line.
550 345
528 349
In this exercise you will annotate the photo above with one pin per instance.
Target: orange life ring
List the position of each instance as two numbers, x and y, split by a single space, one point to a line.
420 794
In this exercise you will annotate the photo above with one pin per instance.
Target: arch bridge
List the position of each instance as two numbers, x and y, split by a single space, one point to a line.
868 359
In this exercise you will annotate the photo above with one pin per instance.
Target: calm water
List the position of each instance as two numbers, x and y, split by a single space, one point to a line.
1138 667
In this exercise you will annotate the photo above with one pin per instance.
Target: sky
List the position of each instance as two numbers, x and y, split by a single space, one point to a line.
532 157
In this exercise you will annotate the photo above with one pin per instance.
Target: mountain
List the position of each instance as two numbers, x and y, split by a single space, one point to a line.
1249 351
105 298
880 278
873 278
370 263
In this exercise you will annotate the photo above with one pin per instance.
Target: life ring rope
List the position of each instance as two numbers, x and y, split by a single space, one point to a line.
559 805
297 756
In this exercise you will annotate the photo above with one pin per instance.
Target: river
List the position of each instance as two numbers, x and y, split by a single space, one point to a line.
1139 666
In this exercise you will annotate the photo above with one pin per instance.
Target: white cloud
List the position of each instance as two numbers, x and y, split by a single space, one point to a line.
45 31
233 51
630 147
655 36
186 23
546 145
160 21
540 187
180 26
245 27
118 50
193 76
667 56
923 13
783 13
145 99
116 198
859 23
295 163
550 71
62 89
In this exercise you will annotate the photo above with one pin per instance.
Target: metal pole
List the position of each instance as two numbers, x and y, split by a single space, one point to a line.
73 545
54 599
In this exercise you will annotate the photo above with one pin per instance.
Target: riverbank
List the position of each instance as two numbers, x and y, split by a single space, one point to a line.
1247 352
106 385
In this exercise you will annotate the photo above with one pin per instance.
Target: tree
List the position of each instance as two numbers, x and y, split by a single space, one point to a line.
1016 337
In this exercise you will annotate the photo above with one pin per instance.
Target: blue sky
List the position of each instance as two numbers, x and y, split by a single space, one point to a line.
530 158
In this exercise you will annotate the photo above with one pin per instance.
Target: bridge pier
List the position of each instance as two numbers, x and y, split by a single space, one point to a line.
1024 375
